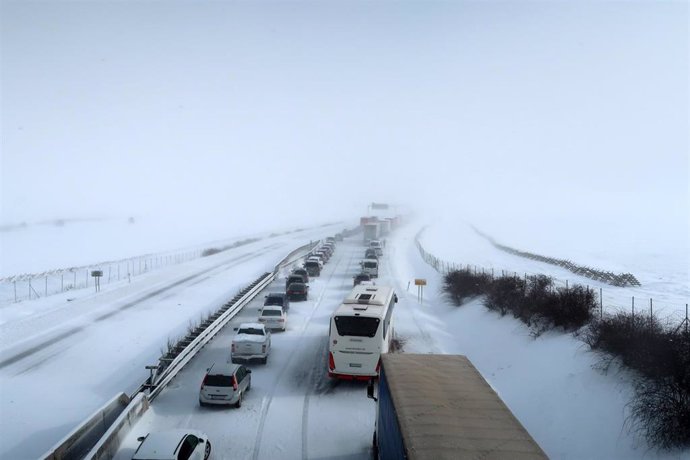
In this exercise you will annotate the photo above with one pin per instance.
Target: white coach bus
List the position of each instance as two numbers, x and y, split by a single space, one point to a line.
361 329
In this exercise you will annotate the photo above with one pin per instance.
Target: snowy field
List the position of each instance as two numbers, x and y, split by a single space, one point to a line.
90 346
662 265
293 410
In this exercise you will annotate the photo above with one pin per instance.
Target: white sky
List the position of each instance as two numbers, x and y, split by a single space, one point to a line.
310 110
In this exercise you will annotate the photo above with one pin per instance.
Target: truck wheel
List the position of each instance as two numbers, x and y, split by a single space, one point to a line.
238 404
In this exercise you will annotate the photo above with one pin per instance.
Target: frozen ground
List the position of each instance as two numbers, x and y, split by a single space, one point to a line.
293 411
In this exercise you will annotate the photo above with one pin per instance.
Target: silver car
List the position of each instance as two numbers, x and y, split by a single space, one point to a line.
225 384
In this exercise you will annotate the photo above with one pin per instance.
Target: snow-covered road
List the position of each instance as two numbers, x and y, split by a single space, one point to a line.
64 356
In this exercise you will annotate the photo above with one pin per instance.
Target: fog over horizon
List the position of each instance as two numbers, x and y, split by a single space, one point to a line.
285 113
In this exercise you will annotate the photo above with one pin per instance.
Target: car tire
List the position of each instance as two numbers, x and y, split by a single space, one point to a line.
201 403
249 385
207 451
238 404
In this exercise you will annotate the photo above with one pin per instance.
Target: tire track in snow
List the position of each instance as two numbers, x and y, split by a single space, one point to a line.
426 337
41 346
313 376
265 407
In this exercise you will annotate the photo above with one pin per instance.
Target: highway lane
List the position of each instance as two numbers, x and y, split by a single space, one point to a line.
61 365
293 410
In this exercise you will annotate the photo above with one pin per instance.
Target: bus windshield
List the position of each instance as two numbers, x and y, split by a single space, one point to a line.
358 326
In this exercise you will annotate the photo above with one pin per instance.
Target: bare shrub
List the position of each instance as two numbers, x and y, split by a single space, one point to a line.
505 294
461 285
660 409
210 251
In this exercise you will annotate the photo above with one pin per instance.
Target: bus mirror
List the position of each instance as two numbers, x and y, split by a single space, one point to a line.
396 298
370 390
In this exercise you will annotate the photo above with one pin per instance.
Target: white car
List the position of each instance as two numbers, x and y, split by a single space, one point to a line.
273 317
173 445
253 341
315 259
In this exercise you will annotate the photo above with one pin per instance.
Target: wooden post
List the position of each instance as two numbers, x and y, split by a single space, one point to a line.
601 303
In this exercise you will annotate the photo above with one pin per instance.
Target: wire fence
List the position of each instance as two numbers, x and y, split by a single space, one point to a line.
610 303
32 286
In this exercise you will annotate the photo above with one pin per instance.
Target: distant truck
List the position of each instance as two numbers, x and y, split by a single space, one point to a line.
372 231
253 341
438 407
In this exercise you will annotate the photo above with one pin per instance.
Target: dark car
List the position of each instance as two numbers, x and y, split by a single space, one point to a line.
312 267
298 291
303 272
361 277
277 298
371 254
294 279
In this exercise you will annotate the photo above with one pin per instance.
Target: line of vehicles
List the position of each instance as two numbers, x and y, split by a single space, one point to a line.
225 383
361 328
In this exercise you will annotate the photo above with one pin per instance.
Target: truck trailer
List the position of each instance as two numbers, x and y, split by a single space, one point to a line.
440 407
372 231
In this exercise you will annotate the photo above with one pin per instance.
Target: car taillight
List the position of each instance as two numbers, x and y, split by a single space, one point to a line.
203 382
281 320
378 366
331 361
234 383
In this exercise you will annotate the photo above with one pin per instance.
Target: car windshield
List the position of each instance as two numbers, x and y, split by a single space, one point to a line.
251 331
358 326
296 287
274 301
271 313
370 264
312 263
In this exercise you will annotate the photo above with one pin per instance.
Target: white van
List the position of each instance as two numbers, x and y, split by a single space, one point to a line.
377 246
371 267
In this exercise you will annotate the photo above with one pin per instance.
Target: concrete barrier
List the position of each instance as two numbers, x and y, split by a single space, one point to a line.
110 441
77 443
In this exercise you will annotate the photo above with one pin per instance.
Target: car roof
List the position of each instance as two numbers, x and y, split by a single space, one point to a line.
275 294
363 275
272 307
223 368
161 445
251 325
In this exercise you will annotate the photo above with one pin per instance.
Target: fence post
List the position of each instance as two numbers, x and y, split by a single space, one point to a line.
74 286
15 294
601 303
62 282
30 288
87 277
46 289
633 310
651 313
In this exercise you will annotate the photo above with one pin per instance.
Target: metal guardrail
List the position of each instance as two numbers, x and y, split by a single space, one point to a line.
104 447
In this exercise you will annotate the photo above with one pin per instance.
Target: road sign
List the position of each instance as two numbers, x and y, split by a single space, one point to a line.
420 282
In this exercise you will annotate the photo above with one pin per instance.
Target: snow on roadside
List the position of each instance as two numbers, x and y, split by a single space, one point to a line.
551 384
